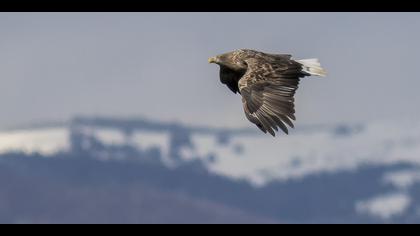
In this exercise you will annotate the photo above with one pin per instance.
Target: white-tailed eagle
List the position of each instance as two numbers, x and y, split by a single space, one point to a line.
267 83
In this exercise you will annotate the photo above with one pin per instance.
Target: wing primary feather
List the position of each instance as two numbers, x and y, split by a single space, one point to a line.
281 125
264 122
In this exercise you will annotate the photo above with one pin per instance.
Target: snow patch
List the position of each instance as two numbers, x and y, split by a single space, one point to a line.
402 179
385 206
264 158
44 141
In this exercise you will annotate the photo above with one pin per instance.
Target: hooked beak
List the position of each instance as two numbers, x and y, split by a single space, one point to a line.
212 60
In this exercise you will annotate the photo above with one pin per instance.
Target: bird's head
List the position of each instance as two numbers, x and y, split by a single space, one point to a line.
228 60
222 59
214 59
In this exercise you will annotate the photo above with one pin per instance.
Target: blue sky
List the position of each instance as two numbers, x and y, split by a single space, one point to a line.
57 65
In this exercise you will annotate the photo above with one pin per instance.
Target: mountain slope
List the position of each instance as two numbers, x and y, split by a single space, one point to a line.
137 170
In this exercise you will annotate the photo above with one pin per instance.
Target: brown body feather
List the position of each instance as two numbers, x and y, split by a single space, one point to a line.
267 83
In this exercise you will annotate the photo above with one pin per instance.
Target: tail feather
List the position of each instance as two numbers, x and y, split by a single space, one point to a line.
312 67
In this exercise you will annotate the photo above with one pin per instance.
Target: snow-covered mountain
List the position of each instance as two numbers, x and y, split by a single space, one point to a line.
376 166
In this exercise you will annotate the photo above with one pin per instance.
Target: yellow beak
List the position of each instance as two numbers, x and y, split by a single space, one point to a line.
212 60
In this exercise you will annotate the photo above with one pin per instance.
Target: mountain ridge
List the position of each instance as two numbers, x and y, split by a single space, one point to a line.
329 184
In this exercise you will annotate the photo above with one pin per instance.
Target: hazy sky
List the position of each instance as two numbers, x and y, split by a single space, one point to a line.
54 66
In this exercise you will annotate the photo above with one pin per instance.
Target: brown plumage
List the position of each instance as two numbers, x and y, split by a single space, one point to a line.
267 83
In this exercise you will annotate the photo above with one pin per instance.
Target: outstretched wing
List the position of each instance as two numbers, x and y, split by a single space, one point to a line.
268 88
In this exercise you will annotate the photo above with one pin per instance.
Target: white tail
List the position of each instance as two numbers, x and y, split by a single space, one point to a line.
312 67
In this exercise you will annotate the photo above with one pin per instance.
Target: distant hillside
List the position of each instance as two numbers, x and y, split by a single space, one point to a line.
35 194
105 170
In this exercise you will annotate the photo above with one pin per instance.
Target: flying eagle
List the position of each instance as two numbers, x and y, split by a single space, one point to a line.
267 83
